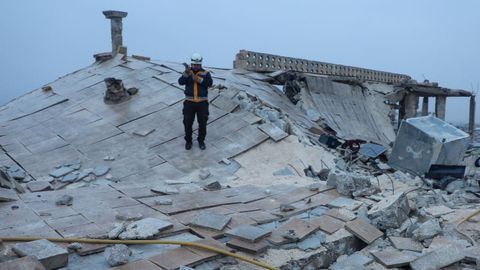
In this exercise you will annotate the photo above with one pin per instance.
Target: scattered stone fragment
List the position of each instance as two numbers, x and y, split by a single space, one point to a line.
286 207
438 210
248 233
166 190
36 186
341 213
74 246
226 161
312 242
211 221
109 176
45 179
16 173
109 158
143 132
345 202
64 170
406 244
163 201
75 164
70 178
7 195
15 207
213 185
64 200
101 170
89 178
352 262
394 258
390 212
116 231
145 228
82 175
267 191
128 216
427 230
315 186
176 182
249 247
204 174
438 258
49 254
285 171
132 91
24 263
117 255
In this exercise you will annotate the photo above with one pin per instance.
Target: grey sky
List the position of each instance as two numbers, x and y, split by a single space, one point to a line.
42 40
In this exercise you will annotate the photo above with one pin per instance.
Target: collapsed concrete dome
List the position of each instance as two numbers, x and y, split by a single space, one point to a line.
424 141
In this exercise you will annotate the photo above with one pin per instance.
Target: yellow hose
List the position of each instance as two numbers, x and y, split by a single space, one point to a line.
462 221
142 242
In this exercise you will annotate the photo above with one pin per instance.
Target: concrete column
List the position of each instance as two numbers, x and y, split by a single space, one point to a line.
471 116
440 104
425 106
411 105
116 27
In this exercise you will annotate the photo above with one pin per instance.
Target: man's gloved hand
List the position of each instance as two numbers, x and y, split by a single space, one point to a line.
199 79
187 73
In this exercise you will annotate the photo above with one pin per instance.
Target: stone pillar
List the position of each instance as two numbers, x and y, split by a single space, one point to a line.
440 104
471 116
425 106
116 28
411 105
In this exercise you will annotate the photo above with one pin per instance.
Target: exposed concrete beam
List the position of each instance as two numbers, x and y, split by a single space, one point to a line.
262 62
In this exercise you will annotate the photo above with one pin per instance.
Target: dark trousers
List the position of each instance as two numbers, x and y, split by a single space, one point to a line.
190 109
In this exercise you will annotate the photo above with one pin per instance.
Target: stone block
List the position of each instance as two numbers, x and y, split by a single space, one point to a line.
427 230
24 263
211 221
438 258
50 255
394 258
7 195
248 233
390 212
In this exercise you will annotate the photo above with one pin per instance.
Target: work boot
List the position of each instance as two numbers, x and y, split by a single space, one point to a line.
188 145
202 145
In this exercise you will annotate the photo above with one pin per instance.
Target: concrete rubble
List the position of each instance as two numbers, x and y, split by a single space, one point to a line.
291 177
117 255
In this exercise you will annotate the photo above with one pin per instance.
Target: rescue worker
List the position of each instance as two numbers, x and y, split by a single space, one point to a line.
196 81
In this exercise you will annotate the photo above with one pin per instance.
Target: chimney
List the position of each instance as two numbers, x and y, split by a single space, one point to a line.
116 28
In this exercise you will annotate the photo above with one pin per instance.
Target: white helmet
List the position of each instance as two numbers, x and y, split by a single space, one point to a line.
196 59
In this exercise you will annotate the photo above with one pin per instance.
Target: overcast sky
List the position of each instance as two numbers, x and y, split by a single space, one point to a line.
433 39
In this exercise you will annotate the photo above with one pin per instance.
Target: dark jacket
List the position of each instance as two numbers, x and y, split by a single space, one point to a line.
195 91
